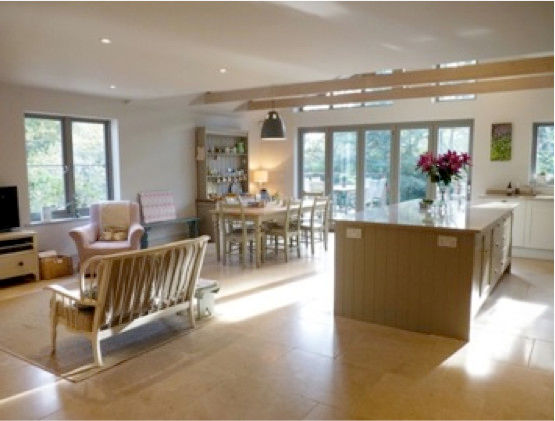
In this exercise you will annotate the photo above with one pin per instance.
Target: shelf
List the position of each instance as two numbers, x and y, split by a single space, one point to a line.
226 154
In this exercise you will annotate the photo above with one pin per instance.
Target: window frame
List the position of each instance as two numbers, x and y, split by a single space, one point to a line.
534 148
395 128
70 211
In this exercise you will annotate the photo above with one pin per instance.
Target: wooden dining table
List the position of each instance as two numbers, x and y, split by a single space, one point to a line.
258 216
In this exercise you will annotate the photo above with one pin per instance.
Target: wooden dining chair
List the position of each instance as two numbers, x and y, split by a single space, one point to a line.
237 233
287 229
318 223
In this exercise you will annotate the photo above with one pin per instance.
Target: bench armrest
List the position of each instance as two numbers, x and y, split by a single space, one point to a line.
72 296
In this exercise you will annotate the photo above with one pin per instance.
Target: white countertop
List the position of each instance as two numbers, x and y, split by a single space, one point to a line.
460 216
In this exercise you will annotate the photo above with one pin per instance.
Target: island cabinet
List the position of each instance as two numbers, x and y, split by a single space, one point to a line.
399 267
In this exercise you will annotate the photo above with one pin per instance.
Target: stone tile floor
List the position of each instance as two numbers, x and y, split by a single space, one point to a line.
275 351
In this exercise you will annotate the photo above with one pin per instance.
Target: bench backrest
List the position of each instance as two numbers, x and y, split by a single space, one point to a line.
135 283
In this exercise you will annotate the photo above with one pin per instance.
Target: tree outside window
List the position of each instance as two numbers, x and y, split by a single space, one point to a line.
68 164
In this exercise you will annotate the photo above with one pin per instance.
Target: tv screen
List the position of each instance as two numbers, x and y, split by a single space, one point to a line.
9 210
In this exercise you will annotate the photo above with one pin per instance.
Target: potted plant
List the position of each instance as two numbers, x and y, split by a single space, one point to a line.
443 169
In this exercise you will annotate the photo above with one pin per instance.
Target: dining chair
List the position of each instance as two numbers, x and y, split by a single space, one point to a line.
288 229
237 234
318 222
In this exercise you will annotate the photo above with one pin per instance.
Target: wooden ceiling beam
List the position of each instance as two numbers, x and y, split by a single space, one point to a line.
479 87
508 68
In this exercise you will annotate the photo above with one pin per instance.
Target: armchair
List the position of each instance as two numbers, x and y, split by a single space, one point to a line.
87 241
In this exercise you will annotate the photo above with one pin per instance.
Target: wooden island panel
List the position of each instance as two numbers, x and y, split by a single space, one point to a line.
399 275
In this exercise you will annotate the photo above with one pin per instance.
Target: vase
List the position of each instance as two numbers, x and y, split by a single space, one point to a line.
442 204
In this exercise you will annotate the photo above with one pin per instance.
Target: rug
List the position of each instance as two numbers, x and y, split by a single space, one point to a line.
25 333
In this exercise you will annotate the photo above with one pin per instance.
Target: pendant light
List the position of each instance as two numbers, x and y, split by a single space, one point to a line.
273 127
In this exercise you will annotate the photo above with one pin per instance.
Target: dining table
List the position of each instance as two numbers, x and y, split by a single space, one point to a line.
257 215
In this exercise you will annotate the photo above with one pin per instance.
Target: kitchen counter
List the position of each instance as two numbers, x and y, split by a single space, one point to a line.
398 266
464 216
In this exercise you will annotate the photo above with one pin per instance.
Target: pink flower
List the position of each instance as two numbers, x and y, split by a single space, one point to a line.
426 161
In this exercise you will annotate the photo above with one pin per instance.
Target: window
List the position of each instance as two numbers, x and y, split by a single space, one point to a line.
68 164
368 165
446 98
542 153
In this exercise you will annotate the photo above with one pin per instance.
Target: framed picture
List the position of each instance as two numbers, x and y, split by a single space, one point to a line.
501 141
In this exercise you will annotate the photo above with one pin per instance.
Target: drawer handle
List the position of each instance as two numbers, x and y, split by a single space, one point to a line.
20 263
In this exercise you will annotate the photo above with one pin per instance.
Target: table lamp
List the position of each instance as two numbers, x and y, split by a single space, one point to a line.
260 177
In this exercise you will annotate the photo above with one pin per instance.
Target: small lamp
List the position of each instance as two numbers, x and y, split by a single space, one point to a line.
260 177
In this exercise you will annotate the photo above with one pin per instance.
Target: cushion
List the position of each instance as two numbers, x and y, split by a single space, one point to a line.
113 233
114 214
111 246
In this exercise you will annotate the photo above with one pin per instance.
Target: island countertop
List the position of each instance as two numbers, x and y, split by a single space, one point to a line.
465 216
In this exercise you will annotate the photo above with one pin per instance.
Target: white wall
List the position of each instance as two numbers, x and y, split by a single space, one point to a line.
520 108
156 146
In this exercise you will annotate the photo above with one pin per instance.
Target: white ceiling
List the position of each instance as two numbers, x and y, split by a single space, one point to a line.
170 49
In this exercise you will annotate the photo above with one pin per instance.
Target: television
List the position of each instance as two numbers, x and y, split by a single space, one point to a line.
9 209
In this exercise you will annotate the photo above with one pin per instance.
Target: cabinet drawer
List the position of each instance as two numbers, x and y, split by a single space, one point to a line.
17 264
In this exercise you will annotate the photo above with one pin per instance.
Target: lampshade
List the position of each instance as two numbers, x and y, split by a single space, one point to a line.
273 127
260 176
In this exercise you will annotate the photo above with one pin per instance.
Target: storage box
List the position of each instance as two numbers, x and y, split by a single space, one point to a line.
55 267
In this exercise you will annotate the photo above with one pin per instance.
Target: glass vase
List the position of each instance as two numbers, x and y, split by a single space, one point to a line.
442 204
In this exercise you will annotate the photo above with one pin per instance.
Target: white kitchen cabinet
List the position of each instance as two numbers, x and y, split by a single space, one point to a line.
539 217
532 234
519 223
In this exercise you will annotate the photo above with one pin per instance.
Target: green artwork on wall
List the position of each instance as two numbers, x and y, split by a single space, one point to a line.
501 141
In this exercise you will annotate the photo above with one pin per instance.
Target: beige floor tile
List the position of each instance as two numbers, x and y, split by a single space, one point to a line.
327 412
275 351
542 355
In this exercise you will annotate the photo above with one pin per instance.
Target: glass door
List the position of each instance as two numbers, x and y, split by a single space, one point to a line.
313 166
412 143
458 139
344 172
377 164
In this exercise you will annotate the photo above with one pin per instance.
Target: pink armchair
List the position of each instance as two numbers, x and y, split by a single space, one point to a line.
86 238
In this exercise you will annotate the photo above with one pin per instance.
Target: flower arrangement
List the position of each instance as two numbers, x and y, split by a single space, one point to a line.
445 168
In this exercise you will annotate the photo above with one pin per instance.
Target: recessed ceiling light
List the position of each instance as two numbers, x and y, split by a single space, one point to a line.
223 70
112 86
105 40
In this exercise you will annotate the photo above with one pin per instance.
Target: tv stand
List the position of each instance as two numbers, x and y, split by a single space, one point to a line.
18 254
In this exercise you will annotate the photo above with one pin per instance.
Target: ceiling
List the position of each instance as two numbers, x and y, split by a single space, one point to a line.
164 49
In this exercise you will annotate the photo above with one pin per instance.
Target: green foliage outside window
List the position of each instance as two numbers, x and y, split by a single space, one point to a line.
47 168
544 152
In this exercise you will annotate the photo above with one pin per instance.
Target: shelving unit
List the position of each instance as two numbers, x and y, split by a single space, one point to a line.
222 168
18 254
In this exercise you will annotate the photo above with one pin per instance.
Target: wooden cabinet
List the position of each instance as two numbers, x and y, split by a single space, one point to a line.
222 162
18 254
485 264
222 168
500 248
206 225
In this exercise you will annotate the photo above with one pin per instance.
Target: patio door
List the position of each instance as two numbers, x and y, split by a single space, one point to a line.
366 166
313 162
377 167
344 172
412 141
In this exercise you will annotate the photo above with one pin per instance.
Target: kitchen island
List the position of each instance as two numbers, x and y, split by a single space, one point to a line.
399 266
